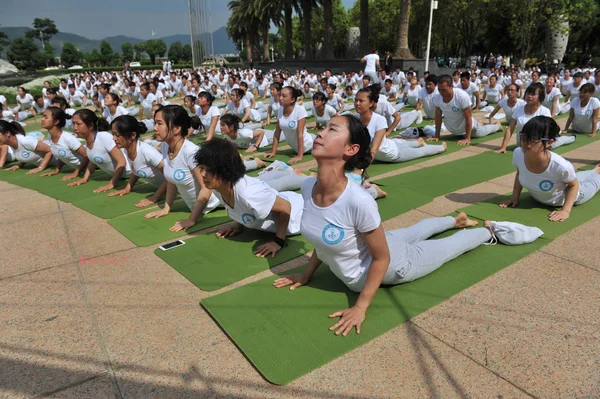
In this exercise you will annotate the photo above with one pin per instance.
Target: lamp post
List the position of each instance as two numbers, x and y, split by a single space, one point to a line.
272 54
434 5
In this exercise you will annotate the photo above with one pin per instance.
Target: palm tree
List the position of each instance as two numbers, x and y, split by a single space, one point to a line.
242 24
364 26
267 11
402 50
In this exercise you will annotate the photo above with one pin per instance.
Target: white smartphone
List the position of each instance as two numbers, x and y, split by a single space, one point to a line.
172 245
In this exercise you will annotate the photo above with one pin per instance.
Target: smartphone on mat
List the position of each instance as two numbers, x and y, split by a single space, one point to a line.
172 245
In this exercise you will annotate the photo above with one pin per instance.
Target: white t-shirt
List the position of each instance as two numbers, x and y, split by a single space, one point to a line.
324 119
427 99
66 148
508 110
522 118
582 120
118 112
336 231
241 109
549 186
389 94
99 154
387 110
471 90
289 127
275 106
574 91
388 150
413 95
371 61
335 102
179 172
454 117
549 98
25 101
147 102
253 202
145 164
206 119
25 151
245 138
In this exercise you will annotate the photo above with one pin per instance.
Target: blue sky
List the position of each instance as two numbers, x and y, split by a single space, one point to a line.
136 18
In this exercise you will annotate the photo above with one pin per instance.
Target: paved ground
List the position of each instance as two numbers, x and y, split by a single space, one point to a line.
84 313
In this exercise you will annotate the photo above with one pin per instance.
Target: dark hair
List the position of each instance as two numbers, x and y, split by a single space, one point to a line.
587 88
295 93
62 102
71 86
231 120
445 79
366 77
465 75
431 78
196 122
209 97
176 115
388 81
512 84
191 98
319 96
126 125
578 75
374 97
221 159
277 86
145 86
455 73
13 127
537 88
115 97
105 86
51 90
358 134
540 127
58 115
92 121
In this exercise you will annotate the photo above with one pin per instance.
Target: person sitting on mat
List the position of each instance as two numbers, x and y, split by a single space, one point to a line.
250 140
291 120
209 114
249 201
343 224
322 111
549 178
385 149
25 149
455 107
65 147
146 161
172 126
509 104
584 111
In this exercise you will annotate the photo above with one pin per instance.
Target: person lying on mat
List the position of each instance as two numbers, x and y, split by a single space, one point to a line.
172 125
25 149
549 178
146 161
291 120
383 148
249 201
101 149
65 147
342 222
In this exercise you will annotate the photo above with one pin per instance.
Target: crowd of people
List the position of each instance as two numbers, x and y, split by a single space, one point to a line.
208 125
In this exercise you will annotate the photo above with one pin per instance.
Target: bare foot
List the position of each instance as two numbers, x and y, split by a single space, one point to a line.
421 142
462 220
445 145
298 172
380 192
260 163
313 174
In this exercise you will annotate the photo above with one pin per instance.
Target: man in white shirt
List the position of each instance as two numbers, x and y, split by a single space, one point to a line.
372 65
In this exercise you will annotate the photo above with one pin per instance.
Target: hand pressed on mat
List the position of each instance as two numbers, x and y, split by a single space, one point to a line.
349 318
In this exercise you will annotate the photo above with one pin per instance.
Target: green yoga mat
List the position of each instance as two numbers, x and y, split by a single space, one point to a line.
285 333
63 192
34 182
143 232
107 207
212 263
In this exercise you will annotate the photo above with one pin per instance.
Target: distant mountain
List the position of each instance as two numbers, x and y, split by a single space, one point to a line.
222 43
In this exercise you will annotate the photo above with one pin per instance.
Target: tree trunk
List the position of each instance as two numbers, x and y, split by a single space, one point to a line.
307 22
364 27
328 33
402 50
289 45
248 48
265 37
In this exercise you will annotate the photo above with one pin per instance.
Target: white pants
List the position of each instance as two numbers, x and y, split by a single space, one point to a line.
133 111
408 118
283 180
589 185
409 150
413 256
372 75
79 103
563 108
562 140
480 130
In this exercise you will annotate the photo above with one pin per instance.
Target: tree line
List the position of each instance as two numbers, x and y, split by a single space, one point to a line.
25 52
312 29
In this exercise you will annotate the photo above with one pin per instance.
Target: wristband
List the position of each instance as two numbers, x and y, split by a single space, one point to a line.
279 241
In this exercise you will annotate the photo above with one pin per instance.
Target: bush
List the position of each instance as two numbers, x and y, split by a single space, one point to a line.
33 87
111 69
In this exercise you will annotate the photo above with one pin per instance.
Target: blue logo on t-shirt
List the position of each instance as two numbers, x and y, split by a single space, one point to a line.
98 160
455 109
292 124
588 112
141 173
179 175
546 185
248 218
332 234
25 154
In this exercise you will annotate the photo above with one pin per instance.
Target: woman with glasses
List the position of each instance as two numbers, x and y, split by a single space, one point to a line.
549 178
